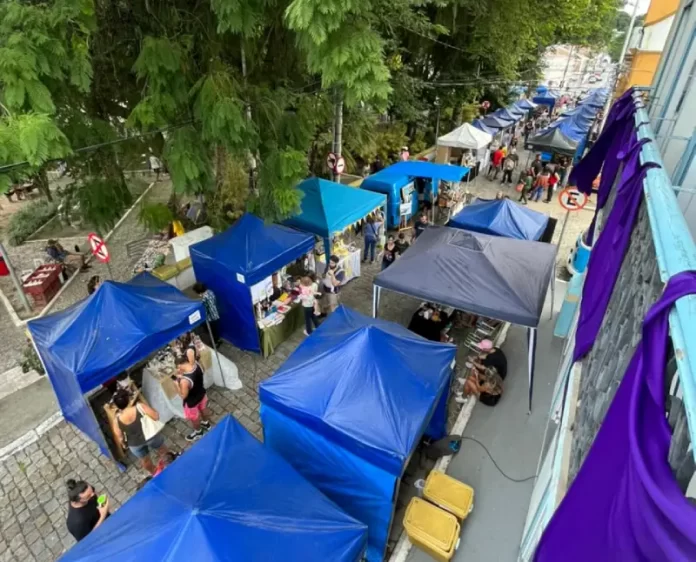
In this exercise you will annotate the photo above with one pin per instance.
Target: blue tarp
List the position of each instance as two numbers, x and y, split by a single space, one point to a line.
485 128
496 122
228 498
328 208
501 217
100 337
349 406
231 262
392 179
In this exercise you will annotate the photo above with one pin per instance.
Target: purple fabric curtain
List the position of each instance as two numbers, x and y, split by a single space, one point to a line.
625 505
604 155
607 255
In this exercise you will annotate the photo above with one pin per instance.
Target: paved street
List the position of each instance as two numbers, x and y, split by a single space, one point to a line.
33 502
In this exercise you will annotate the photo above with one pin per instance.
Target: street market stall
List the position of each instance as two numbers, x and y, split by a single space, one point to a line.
230 498
465 138
498 278
478 123
496 122
349 407
330 210
501 217
245 267
108 333
508 115
525 104
408 183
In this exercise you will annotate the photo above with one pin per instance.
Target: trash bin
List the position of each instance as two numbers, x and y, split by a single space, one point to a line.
450 494
431 529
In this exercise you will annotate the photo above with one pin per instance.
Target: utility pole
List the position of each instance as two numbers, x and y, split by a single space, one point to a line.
437 122
619 64
570 56
250 157
338 130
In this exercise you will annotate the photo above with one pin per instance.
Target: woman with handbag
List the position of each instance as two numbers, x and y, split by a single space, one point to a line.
139 428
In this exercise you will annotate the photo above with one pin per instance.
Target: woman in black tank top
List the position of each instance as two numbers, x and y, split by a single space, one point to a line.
189 380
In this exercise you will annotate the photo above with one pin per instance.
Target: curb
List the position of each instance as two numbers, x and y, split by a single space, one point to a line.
30 436
403 547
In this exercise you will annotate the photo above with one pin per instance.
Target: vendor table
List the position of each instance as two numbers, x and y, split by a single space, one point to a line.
161 393
272 336
350 262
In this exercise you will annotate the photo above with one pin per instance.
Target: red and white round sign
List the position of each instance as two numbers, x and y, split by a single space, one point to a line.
340 165
99 248
572 199
331 161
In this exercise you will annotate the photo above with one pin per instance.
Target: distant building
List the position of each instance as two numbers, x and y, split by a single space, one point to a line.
568 67
647 43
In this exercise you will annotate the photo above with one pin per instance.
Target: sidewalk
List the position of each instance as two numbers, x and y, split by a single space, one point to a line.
493 530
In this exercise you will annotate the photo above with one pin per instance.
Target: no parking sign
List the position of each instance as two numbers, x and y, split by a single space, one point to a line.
572 199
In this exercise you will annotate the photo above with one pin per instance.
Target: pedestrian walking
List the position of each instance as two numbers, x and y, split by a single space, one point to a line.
553 180
526 182
496 163
155 166
540 184
509 166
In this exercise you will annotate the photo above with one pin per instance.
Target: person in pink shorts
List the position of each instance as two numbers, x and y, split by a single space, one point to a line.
189 380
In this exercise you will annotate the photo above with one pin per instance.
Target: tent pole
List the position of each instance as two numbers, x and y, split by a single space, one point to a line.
531 356
553 290
374 301
217 356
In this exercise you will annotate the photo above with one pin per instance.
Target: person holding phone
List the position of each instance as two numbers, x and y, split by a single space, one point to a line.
84 513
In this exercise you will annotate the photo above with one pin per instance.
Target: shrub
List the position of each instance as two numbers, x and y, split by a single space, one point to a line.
27 220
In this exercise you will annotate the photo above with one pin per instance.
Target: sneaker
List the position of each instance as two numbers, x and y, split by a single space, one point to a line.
460 399
461 380
305 332
194 435
206 425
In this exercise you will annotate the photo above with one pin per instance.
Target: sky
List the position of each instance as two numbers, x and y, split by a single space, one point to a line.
642 7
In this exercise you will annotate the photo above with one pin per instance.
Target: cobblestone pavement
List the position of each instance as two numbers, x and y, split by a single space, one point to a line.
33 503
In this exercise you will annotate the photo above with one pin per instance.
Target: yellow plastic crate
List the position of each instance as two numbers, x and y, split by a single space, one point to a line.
433 530
449 493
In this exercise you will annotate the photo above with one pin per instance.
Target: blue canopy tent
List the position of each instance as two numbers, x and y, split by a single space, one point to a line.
544 97
496 122
485 128
505 113
229 498
328 208
516 111
397 183
350 405
525 104
501 217
100 337
232 262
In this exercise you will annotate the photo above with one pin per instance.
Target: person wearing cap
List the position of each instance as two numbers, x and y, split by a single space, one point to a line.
485 380
491 356
333 279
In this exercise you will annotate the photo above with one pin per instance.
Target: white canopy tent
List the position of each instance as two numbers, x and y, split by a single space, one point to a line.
466 136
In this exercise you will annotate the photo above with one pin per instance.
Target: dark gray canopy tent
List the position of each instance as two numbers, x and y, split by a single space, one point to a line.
552 139
500 278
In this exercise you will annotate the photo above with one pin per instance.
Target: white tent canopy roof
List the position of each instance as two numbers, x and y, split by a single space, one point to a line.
466 136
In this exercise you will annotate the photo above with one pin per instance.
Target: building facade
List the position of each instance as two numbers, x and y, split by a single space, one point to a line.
648 42
662 245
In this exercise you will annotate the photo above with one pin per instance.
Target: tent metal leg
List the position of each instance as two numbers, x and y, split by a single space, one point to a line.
215 349
553 291
531 357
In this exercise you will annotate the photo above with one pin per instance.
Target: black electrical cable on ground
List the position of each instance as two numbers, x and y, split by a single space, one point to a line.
516 480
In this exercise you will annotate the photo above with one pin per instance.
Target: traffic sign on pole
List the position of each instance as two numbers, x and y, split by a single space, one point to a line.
99 248
331 161
340 165
572 199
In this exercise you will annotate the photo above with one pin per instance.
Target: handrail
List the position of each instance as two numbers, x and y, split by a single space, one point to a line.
676 252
